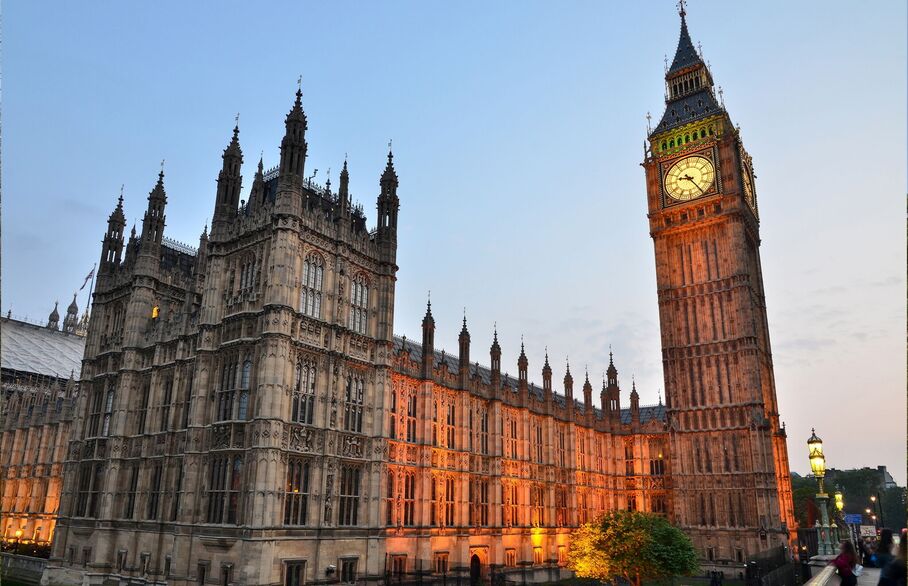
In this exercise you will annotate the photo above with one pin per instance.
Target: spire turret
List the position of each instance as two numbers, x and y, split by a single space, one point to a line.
257 193
428 341
293 145
463 341
522 367
635 402
53 320
388 203
495 355
546 378
229 181
343 191
112 245
71 321
587 395
153 221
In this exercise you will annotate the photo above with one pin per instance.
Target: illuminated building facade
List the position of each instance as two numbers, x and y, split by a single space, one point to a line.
729 456
247 415
39 385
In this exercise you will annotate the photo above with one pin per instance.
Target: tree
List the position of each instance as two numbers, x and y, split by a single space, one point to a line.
632 545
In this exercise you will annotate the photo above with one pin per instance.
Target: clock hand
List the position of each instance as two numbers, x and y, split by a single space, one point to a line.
691 179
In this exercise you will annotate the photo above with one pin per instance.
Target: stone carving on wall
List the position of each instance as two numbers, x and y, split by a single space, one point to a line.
329 493
303 439
220 436
352 447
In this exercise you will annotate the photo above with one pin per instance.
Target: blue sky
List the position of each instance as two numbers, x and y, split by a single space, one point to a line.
518 130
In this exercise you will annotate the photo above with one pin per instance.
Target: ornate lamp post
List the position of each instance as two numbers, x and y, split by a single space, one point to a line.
839 507
818 467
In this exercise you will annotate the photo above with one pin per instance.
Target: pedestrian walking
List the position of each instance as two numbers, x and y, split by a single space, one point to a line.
883 554
893 574
845 563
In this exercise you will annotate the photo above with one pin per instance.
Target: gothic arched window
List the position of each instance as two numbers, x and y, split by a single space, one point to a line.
246 373
359 305
313 275
303 406
353 404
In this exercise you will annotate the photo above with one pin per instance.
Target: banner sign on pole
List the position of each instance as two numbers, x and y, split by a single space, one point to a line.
868 531
854 519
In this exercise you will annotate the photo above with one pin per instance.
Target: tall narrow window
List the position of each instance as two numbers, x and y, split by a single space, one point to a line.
245 379
296 493
227 393
353 404
409 499
88 496
359 305
537 503
393 416
411 417
130 501
629 459
154 495
561 446
303 404
223 489
449 502
562 513
390 500
311 298
450 422
349 497
539 443
165 404
108 413
143 406
513 438
484 432
94 415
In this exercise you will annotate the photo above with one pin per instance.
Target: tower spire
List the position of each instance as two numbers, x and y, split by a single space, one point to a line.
153 221
293 145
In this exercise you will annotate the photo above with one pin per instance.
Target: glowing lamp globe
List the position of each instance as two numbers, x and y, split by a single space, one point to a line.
817 459
839 501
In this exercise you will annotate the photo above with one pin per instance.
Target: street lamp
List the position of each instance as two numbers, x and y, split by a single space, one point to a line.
818 467
18 536
876 499
839 501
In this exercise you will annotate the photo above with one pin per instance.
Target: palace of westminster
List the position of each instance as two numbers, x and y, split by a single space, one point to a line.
245 414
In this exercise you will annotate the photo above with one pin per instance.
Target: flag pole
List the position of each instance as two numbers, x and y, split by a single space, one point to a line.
90 289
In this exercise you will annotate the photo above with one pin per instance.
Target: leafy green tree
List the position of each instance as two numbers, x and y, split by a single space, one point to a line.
632 545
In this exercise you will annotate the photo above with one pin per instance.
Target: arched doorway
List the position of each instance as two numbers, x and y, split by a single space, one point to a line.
475 570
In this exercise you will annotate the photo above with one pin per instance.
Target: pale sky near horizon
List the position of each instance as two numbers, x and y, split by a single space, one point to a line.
518 131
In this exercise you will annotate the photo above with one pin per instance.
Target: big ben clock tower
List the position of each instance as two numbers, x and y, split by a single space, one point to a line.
730 470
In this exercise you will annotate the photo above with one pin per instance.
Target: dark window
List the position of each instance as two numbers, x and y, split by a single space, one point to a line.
353 404
154 496
348 570
224 489
349 497
294 573
303 405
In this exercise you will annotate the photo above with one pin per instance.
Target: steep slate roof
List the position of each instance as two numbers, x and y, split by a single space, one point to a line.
452 362
686 55
692 107
32 348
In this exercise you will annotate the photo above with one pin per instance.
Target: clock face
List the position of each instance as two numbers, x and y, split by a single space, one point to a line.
748 181
690 178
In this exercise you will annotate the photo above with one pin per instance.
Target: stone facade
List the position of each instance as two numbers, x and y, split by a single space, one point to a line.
39 388
247 416
729 453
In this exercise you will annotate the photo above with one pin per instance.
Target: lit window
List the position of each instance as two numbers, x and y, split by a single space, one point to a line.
296 493
353 404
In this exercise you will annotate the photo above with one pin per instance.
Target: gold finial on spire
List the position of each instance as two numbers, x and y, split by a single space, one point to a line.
299 84
681 8
237 119
649 119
